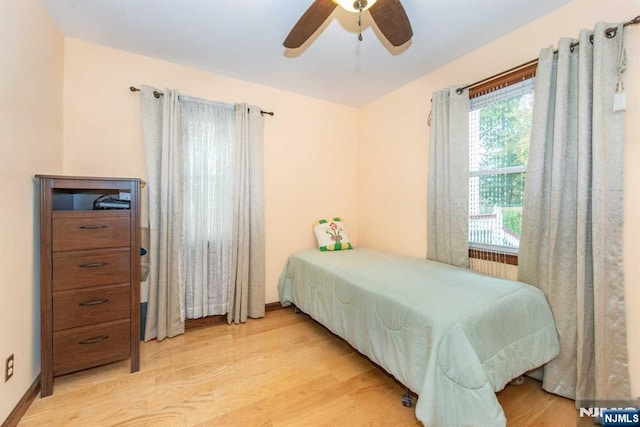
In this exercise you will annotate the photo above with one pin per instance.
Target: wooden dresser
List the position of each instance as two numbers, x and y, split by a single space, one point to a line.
89 275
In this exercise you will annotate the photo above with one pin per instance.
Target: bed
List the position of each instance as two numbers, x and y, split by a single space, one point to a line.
452 336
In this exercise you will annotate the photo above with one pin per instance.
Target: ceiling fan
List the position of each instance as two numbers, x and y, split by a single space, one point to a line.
389 16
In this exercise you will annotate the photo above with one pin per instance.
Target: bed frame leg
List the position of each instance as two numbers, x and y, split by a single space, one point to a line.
407 399
517 381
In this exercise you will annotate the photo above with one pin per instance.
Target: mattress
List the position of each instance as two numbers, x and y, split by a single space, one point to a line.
451 335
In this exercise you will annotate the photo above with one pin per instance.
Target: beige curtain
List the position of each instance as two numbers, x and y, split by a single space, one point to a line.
448 189
246 294
571 244
161 132
181 281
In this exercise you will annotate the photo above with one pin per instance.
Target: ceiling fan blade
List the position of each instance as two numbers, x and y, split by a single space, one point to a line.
392 20
309 22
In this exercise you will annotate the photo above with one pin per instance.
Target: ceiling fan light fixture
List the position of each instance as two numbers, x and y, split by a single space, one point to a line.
354 6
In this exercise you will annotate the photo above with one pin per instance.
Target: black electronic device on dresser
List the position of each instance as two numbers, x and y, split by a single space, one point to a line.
89 275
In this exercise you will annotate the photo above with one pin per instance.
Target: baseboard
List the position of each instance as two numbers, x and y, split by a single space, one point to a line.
23 405
222 318
272 306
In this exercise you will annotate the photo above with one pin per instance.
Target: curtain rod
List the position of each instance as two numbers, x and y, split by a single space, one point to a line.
158 94
610 32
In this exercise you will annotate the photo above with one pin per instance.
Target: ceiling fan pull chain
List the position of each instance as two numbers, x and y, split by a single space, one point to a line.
360 6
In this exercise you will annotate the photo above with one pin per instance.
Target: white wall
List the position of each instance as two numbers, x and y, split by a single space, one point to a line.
394 144
30 142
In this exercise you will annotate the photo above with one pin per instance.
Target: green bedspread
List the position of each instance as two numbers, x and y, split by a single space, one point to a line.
453 336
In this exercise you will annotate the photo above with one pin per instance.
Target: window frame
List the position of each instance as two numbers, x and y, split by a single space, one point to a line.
500 81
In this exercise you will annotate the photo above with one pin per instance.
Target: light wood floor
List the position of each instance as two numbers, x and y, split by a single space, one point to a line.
284 370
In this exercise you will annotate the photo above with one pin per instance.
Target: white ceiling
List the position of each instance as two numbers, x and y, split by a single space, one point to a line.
243 39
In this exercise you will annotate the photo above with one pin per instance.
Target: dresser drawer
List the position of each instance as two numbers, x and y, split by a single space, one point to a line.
89 230
93 305
84 269
88 346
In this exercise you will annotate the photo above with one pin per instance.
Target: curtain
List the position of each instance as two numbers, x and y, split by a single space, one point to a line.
161 133
206 210
571 243
208 139
246 296
448 191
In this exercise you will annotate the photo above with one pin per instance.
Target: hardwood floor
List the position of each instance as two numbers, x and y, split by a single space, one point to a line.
283 370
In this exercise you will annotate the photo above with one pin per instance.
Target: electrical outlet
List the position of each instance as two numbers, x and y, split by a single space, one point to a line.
8 368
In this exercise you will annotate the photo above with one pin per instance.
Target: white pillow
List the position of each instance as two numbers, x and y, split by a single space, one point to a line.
330 235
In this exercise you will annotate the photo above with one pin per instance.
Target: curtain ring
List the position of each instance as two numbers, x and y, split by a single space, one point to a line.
610 32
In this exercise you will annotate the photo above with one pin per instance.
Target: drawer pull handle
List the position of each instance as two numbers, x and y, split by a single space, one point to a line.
93 226
95 302
94 340
94 264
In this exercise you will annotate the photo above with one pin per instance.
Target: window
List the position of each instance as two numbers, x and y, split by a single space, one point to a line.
499 129
207 141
